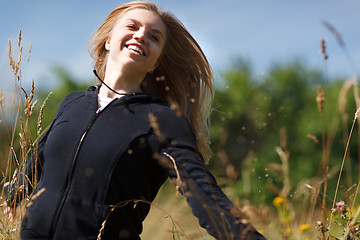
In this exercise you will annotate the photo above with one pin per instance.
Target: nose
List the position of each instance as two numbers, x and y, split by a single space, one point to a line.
140 35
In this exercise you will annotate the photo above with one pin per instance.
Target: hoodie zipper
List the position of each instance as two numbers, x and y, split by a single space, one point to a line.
69 181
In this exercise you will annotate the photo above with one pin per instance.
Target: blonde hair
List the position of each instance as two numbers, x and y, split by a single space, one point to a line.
183 78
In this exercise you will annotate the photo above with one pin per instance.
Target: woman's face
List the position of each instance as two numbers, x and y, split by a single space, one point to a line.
137 40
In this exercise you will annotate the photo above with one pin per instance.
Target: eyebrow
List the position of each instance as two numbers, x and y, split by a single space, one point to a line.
152 29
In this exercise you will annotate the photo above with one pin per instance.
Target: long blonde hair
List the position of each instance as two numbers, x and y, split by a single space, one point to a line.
183 78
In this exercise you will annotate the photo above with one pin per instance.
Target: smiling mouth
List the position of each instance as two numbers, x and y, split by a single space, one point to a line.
136 49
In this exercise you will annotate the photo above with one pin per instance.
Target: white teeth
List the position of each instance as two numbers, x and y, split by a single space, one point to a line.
136 49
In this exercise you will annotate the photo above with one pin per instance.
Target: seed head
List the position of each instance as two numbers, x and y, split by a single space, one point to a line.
19 39
357 113
323 49
1 97
320 99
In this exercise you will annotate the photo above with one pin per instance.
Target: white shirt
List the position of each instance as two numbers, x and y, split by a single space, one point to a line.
103 102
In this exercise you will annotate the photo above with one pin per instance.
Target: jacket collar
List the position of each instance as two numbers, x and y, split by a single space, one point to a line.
91 95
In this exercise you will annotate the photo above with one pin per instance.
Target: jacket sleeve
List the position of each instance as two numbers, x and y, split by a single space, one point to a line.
24 181
216 213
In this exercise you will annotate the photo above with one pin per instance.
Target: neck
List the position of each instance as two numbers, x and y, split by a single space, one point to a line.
117 83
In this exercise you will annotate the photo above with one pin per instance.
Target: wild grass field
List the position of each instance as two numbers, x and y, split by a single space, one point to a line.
285 151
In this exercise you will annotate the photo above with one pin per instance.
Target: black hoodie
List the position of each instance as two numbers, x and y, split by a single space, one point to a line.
99 171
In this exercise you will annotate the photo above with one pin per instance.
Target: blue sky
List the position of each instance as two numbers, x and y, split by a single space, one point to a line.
261 31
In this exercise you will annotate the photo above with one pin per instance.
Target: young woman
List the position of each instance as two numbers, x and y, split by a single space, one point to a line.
109 149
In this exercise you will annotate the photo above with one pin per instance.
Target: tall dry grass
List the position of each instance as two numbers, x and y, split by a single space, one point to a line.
343 212
314 218
22 139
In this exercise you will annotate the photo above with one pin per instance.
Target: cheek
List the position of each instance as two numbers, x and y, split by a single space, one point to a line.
158 54
158 51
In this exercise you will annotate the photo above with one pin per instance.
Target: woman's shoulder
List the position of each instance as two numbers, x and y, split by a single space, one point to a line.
166 112
167 116
171 121
71 97
149 104
90 91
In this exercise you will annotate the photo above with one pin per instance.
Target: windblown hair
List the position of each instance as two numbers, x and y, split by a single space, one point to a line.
184 77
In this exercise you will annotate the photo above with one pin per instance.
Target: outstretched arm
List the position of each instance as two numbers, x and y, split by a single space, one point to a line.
179 153
216 213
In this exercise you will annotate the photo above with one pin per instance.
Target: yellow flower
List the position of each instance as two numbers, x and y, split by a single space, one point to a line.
286 219
287 231
278 201
304 227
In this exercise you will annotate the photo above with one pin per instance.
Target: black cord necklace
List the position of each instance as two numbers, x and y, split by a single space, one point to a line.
94 71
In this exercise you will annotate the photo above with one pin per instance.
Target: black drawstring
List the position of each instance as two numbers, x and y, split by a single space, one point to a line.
94 71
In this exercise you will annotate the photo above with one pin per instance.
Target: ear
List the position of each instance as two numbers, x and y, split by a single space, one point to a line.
107 44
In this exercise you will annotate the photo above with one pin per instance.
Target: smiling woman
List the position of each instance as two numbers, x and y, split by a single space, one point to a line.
110 148
134 45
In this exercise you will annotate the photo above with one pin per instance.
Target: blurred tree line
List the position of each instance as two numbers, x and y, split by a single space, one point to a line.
252 117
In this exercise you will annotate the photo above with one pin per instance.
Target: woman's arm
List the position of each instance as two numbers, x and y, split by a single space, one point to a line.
179 153
23 182
216 213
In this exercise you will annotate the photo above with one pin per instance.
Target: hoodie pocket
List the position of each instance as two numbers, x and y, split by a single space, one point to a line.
80 219
40 212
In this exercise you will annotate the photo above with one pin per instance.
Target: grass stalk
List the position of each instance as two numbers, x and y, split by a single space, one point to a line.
324 130
342 163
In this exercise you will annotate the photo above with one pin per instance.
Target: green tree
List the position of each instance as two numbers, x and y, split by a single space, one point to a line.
252 117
